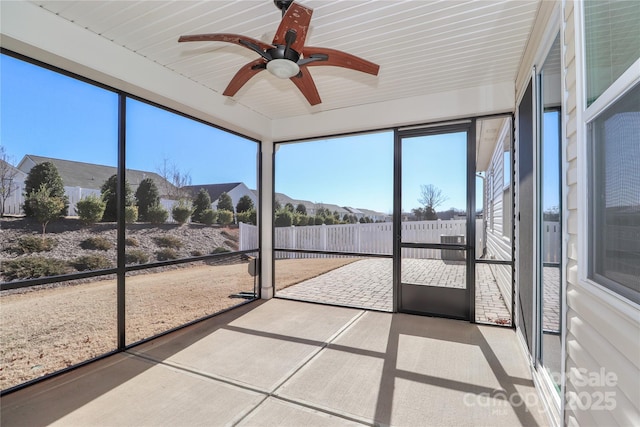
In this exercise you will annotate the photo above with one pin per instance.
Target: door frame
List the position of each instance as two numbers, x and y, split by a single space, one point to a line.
468 126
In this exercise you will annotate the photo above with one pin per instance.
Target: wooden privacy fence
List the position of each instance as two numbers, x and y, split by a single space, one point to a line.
378 238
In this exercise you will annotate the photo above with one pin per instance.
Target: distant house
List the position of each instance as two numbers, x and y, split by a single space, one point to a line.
13 183
235 190
82 179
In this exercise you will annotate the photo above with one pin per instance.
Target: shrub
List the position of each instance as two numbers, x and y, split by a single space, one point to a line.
90 209
27 268
302 220
147 195
181 211
45 174
131 241
166 254
329 220
157 214
318 220
248 217
301 209
96 243
209 216
91 262
284 219
196 253
168 242
225 217
130 214
220 250
44 206
201 204
31 244
136 256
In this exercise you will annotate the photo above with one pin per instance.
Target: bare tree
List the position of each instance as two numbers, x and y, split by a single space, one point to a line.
7 175
174 179
431 197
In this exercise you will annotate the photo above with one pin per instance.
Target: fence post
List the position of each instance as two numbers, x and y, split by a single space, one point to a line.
324 237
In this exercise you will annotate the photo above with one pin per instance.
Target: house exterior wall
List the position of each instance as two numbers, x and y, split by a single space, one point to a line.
236 194
498 213
602 329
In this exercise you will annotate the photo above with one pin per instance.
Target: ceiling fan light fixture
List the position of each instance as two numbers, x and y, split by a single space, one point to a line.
283 68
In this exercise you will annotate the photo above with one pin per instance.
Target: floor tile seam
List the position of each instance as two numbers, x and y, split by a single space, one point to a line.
326 410
265 392
314 354
199 373
305 362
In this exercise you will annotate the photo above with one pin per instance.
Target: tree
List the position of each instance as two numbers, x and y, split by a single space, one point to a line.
289 207
109 192
44 206
201 203
244 204
419 213
174 179
147 195
301 209
225 203
45 173
431 197
7 174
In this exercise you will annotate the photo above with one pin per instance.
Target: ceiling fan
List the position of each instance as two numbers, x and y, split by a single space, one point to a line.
287 57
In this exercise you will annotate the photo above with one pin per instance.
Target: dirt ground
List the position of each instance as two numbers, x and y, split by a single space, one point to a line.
46 330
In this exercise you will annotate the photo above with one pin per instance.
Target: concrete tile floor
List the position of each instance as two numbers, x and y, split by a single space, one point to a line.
297 364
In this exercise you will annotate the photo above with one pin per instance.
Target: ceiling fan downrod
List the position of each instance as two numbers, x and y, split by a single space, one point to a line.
283 5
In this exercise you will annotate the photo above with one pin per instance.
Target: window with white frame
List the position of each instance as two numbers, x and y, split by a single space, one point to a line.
612 52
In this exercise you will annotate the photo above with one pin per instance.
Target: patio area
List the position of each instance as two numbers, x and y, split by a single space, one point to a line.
368 283
291 363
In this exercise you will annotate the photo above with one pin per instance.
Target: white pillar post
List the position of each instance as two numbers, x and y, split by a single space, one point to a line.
266 220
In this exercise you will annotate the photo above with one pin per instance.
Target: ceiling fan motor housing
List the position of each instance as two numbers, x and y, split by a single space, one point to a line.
282 52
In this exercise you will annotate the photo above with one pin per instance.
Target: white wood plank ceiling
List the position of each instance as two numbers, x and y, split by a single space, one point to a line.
422 47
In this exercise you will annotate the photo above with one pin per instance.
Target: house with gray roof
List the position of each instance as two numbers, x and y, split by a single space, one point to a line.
235 190
83 179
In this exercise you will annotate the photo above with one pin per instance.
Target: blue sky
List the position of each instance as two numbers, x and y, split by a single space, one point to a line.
52 115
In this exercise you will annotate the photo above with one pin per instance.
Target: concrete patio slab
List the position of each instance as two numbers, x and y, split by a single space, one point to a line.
275 412
154 395
430 372
289 332
350 367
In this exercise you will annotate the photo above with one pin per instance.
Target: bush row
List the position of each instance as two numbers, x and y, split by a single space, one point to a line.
38 266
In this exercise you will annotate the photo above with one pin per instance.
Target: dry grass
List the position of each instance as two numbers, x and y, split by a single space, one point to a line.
50 329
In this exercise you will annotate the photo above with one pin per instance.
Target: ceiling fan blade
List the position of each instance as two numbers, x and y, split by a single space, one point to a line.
338 58
248 42
305 83
243 75
296 18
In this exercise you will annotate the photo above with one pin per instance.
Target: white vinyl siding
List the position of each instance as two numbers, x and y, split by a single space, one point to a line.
602 331
499 200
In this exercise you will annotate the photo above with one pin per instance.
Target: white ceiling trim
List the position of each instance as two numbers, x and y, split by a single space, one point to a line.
483 100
